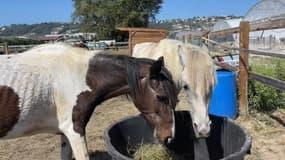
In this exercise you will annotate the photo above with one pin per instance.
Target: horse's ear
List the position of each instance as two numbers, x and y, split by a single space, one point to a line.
161 60
156 67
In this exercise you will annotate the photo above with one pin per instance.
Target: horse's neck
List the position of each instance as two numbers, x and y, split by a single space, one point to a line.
106 76
173 64
112 75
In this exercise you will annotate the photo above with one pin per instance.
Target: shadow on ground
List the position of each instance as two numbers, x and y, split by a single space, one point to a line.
278 119
100 155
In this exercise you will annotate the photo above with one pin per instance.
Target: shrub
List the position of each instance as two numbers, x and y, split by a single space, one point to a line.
18 41
264 98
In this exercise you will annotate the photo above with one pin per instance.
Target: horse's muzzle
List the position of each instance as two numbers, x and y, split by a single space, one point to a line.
202 131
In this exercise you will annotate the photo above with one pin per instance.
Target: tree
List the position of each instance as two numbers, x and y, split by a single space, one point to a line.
103 16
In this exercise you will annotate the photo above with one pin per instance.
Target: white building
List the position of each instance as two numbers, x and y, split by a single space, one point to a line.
226 24
273 40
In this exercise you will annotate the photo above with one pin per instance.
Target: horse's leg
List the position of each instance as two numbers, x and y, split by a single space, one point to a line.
66 151
78 144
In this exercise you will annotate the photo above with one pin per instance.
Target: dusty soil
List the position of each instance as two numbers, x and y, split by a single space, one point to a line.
268 135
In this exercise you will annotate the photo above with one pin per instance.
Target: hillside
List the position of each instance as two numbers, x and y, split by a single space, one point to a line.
34 30
38 29
204 23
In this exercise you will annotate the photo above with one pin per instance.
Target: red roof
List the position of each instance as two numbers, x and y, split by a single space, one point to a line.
141 29
49 38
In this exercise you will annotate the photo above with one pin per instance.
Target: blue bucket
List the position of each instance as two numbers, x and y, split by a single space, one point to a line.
224 99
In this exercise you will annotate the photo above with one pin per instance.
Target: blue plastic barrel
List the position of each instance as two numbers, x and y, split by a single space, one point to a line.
223 101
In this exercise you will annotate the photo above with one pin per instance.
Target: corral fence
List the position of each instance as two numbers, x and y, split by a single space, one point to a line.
8 49
243 69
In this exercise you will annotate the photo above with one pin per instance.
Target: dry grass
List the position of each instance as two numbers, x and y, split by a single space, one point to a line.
268 135
47 146
152 152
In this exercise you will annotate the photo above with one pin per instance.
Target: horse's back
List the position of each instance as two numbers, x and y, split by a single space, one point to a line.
50 55
152 50
143 50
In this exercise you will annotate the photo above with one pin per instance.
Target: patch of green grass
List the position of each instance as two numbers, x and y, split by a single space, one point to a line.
268 66
261 97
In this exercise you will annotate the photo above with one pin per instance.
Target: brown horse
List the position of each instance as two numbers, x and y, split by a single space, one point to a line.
193 71
55 88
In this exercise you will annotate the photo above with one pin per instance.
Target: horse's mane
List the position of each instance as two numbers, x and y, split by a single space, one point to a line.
194 57
133 66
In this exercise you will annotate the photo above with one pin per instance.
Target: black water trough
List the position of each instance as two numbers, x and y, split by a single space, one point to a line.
228 141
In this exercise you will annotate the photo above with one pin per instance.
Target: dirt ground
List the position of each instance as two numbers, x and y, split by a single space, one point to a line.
268 133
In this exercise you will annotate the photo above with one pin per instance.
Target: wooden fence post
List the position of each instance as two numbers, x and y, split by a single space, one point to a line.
6 51
131 41
5 48
243 68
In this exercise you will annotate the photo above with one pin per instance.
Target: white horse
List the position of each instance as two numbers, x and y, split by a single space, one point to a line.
192 69
55 89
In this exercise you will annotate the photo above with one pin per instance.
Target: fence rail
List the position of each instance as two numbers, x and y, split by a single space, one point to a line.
226 66
262 53
6 49
267 80
243 73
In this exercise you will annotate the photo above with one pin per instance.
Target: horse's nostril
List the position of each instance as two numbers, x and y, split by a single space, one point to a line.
209 123
204 132
168 140
195 125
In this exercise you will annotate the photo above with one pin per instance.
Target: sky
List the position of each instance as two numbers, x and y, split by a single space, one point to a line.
39 11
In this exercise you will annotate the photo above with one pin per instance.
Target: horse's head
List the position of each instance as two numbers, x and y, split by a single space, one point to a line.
157 101
198 80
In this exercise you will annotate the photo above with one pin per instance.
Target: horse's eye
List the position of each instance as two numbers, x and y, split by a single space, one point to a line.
186 87
163 99
154 83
